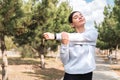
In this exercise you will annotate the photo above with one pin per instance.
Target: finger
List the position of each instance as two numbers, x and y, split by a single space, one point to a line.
46 36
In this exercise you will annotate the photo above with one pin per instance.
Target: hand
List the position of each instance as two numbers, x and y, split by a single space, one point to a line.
65 38
49 35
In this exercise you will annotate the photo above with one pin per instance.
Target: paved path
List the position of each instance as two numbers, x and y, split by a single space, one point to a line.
103 71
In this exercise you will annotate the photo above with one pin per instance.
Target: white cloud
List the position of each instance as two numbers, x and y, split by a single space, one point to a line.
93 11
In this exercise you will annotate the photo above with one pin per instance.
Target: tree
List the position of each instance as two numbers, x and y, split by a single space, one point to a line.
106 30
47 16
109 29
10 12
116 17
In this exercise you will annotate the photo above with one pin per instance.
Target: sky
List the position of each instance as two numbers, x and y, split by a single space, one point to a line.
91 9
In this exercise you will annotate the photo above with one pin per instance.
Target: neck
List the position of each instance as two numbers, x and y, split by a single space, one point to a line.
80 29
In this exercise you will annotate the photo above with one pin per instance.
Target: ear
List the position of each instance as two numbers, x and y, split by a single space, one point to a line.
72 25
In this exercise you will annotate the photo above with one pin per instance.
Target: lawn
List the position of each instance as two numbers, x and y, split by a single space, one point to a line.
29 69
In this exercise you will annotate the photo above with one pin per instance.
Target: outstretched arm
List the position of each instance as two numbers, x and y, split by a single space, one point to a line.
64 49
88 36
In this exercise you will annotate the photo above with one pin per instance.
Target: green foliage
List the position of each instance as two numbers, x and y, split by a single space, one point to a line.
10 12
26 52
109 30
44 16
102 45
9 43
27 21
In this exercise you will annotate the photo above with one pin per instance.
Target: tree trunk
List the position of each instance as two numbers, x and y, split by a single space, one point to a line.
4 66
58 53
116 51
4 58
116 58
42 61
41 54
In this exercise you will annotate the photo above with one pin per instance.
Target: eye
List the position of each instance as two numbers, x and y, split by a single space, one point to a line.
75 17
78 15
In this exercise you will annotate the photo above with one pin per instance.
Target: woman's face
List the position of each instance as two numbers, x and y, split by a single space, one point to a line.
78 20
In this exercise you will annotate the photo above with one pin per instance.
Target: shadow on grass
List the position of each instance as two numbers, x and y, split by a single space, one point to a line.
47 74
41 74
20 61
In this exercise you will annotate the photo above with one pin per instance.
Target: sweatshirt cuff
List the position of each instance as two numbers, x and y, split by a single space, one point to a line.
64 49
64 46
58 36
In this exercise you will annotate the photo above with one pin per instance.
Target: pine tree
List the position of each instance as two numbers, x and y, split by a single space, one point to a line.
46 16
10 12
109 30
51 18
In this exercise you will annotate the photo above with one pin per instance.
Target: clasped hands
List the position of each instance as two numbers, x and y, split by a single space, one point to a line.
51 36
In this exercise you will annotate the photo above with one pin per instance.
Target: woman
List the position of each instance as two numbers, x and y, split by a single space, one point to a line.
77 49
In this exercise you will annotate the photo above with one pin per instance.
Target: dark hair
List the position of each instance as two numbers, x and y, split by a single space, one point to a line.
70 16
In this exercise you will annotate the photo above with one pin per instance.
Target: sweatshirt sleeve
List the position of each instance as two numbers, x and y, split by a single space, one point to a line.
64 53
88 36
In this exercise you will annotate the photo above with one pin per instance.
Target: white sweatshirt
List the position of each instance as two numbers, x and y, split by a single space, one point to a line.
78 56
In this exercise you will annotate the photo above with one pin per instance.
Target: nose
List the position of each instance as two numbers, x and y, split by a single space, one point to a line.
80 17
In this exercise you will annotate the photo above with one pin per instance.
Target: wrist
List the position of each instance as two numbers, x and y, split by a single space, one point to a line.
54 35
